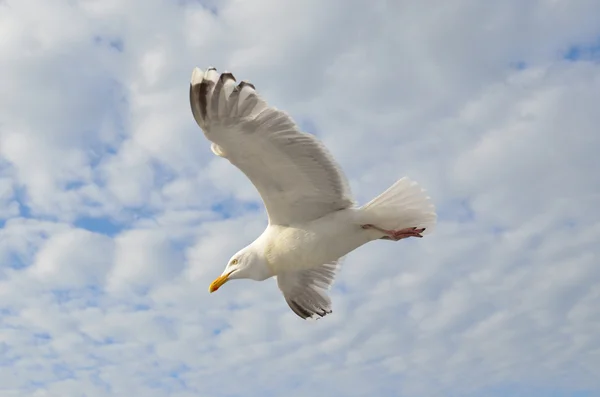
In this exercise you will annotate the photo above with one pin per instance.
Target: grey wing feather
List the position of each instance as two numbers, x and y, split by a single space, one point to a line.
296 176
305 291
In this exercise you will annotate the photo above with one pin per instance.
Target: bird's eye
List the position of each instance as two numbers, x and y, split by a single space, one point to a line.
234 262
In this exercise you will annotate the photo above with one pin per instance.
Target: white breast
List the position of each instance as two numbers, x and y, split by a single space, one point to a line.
314 243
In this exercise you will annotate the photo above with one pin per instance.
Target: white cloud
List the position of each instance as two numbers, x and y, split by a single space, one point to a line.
143 258
74 258
477 103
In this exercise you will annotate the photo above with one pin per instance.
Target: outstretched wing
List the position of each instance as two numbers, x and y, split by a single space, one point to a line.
305 291
296 176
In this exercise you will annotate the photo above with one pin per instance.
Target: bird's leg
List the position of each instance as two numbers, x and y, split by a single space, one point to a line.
397 234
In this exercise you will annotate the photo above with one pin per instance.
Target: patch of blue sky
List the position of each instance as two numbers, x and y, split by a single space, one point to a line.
162 173
234 306
3 222
308 125
96 360
17 261
519 65
139 214
168 385
220 326
74 185
583 52
97 381
88 296
177 372
34 385
104 341
210 6
167 324
535 241
498 230
102 225
116 110
231 208
141 307
576 52
5 312
62 372
341 287
109 340
103 152
140 290
43 337
20 195
6 356
457 209
218 331
115 43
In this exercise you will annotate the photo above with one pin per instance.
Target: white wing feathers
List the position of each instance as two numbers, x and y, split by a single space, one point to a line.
305 291
294 173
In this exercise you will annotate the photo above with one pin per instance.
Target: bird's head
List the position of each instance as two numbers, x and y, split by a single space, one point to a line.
247 263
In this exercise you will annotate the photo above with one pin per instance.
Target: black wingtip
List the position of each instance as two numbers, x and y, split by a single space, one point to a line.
226 76
244 83
203 96
305 313
299 310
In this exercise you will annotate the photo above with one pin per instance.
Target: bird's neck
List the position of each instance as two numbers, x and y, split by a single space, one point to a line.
260 269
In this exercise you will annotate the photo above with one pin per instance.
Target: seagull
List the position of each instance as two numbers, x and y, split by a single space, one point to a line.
313 219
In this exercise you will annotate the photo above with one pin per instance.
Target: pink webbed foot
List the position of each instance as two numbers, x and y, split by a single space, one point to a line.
397 234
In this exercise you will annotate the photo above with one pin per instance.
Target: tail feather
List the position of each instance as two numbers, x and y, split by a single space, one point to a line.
404 204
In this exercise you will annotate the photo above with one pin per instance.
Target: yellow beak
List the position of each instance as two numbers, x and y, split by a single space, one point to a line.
215 285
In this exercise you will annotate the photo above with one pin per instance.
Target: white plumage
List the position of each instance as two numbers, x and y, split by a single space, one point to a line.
313 219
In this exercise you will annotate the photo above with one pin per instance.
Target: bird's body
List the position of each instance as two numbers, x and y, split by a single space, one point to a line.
308 245
313 218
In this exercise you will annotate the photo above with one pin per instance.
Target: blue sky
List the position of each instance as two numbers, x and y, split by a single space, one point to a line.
115 215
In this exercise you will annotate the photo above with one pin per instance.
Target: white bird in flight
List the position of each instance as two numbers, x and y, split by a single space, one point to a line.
313 218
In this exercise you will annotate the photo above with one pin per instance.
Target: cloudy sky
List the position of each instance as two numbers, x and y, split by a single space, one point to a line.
115 215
